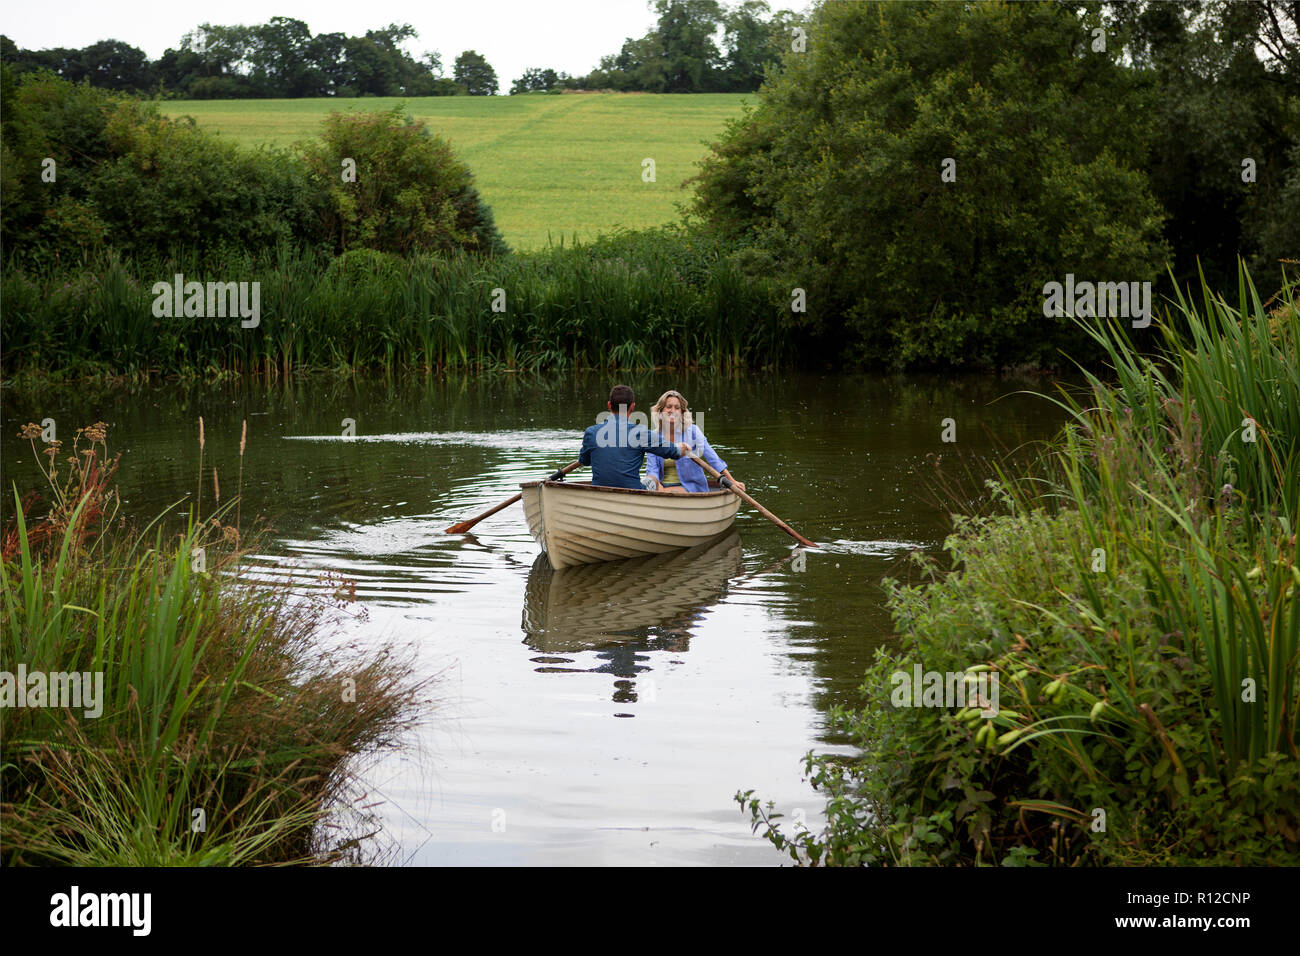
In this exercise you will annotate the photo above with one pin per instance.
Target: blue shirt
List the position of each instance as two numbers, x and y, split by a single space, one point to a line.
615 449
692 476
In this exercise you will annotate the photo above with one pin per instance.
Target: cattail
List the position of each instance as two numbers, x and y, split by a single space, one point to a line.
198 508
239 490
216 486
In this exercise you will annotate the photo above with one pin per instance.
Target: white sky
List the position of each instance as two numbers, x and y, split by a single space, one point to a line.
565 35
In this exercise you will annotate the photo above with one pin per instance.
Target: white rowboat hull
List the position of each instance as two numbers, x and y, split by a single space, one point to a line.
585 524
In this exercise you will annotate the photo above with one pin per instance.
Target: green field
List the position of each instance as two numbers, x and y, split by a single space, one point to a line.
567 165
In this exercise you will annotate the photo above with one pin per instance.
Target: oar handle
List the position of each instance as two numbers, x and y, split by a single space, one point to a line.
727 483
560 473
463 526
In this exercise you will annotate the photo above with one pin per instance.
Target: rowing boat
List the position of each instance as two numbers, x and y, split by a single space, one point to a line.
580 523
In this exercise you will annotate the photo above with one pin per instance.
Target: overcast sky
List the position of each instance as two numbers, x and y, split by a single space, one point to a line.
566 35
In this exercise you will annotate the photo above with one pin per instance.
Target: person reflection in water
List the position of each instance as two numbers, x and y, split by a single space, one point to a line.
630 660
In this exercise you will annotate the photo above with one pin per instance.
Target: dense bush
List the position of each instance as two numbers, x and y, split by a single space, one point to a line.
408 194
837 176
168 177
128 177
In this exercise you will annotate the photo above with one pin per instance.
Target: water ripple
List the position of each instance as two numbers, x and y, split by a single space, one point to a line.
874 549
546 439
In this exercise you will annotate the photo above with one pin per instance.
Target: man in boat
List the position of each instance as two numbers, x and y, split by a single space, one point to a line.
616 448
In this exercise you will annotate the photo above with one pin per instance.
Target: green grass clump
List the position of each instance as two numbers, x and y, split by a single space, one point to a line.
226 736
1139 600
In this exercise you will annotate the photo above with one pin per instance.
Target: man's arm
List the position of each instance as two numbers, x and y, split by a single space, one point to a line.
588 443
656 445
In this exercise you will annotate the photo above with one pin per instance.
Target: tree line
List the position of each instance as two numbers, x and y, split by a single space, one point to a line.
280 59
283 59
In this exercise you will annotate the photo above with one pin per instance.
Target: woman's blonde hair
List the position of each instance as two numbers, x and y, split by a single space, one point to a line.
687 421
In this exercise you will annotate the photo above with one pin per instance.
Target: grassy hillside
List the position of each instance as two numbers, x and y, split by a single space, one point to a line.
563 165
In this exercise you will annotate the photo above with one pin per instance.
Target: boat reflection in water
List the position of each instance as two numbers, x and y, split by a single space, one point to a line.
624 610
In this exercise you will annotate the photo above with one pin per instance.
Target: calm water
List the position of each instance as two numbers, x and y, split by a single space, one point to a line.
600 715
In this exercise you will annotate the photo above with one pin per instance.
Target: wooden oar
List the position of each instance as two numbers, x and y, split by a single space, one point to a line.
462 526
727 483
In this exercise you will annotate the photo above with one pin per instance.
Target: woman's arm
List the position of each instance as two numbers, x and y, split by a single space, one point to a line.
654 467
705 451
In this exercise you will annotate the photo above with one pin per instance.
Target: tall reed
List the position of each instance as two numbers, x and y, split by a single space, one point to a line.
629 301
1190 464
1186 469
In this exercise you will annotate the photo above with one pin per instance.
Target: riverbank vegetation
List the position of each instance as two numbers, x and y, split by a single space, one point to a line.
402 268
222 735
1138 597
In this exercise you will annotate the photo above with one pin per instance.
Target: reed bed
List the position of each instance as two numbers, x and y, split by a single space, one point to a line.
638 300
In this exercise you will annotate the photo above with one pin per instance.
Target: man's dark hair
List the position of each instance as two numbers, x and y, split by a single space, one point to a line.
620 397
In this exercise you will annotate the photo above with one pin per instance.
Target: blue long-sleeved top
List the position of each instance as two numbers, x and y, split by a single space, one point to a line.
615 449
692 475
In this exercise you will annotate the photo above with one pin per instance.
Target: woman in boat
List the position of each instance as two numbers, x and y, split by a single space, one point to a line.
671 417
